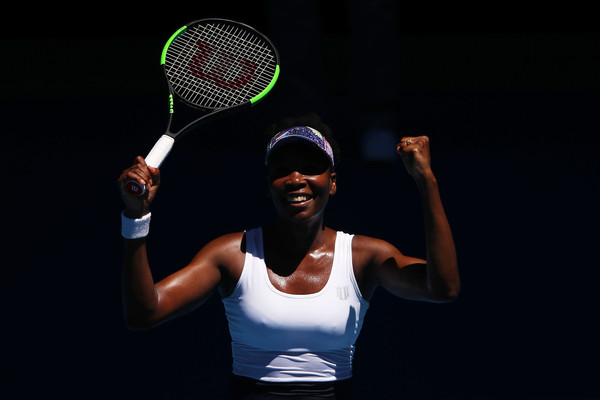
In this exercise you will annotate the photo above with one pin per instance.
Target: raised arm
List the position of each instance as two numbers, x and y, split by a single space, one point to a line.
443 279
146 302
435 279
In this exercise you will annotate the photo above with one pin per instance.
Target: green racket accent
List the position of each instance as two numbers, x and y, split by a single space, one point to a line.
173 37
268 88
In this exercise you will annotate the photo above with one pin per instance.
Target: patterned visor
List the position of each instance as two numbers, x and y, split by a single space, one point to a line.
300 133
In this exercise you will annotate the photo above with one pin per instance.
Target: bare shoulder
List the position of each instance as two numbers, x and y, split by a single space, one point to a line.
378 262
226 254
367 253
370 255
228 241
214 266
367 250
223 249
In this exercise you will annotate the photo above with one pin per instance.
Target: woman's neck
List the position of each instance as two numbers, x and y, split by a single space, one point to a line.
305 235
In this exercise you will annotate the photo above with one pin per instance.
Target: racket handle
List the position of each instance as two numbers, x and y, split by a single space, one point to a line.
160 151
154 159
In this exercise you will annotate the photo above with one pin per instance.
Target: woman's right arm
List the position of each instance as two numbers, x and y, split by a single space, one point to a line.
148 303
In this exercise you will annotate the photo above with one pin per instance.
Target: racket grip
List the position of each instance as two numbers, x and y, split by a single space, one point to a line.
155 158
160 151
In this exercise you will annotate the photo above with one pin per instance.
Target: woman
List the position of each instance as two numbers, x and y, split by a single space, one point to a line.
295 292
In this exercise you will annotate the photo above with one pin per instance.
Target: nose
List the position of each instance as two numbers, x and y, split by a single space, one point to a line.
295 178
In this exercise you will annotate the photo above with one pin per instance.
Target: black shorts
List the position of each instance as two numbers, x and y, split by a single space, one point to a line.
243 388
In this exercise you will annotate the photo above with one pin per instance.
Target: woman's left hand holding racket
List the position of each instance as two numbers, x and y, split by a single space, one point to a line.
137 206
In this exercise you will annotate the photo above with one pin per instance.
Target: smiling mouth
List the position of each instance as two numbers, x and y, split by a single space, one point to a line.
297 198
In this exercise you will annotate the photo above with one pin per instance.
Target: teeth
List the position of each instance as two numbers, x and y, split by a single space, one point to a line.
297 198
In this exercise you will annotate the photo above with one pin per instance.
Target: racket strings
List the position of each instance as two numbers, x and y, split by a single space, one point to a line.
218 65
240 74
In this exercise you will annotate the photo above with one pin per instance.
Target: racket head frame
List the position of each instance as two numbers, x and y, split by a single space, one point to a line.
269 68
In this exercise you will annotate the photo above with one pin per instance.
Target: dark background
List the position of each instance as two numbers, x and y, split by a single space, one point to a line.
508 93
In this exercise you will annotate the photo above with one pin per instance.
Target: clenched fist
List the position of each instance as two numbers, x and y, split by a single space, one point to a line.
415 155
149 177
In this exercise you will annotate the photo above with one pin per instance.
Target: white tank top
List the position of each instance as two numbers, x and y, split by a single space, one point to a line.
281 337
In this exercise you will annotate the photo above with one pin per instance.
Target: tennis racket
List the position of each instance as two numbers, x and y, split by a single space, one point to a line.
212 66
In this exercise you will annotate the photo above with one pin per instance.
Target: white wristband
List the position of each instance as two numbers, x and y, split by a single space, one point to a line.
135 228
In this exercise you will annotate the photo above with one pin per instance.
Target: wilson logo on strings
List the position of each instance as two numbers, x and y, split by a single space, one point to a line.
222 65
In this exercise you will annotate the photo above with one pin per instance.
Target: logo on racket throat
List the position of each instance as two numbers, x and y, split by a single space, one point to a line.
171 104
224 69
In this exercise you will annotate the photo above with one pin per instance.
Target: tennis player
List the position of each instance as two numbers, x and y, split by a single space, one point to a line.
295 292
